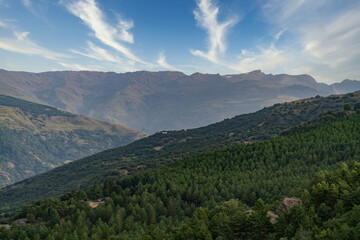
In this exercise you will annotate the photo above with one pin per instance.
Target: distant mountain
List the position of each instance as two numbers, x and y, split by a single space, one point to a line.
154 101
168 146
35 138
345 86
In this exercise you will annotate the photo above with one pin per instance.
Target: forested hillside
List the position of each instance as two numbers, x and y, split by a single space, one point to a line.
35 138
164 147
206 196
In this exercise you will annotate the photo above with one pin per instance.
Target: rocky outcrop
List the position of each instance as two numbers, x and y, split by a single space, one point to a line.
287 203
273 217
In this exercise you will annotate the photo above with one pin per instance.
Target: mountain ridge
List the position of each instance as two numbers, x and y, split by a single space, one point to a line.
155 101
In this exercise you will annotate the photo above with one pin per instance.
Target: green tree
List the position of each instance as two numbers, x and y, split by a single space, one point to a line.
347 107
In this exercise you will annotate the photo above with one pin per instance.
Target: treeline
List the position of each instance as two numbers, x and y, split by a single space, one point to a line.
205 196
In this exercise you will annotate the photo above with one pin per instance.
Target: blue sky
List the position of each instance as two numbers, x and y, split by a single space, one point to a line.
320 38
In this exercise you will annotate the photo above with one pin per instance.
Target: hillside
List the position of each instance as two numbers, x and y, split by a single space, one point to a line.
35 138
207 196
155 101
165 147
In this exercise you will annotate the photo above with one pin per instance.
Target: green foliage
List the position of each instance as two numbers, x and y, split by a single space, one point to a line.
357 106
165 147
347 107
205 196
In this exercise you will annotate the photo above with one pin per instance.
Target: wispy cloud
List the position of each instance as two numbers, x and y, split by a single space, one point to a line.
98 53
291 11
89 12
335 42
77 67
279 34
124 27
326 33
162 62
206 16
266 59
22 44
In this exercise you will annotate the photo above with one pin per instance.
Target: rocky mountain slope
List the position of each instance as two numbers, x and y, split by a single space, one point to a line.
35 138
154 101
168 146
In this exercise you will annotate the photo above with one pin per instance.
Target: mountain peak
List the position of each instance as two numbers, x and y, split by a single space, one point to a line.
257 72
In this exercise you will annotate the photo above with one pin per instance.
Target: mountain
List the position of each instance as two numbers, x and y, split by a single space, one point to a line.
345 86
168 146
207 196
35 138
155 101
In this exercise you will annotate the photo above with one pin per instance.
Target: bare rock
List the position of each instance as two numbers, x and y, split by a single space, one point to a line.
273 217
249 212
288 203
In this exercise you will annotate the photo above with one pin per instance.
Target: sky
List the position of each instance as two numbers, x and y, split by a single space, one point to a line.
320 38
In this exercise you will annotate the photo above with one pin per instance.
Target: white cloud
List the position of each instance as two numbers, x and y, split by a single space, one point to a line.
22 44
162 62
335 42
77 67
325 32
291 11
266 59
98 53
21 36
279 34
124 26
206 16
89 12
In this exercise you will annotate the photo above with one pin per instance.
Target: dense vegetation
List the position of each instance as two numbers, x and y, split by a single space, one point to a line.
164 147
35 138
205 196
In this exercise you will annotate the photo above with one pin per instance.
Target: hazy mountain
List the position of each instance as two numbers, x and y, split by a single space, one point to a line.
168 146
36 138
153 101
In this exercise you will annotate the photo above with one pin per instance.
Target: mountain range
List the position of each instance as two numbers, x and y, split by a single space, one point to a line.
168 146
35 138
155 101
